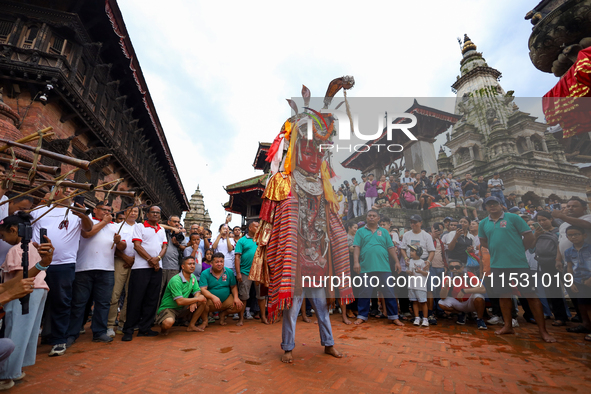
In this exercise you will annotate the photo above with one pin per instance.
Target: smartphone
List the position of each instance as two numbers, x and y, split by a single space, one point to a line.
459 226
42 234
537 225
79 200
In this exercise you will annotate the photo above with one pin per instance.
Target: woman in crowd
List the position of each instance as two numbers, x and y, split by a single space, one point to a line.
393 198
383 183
23 330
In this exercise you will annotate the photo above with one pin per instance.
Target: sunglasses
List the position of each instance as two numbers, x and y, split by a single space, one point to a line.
455 267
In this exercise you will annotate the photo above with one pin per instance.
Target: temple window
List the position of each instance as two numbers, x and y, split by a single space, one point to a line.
81 72
30 37
5 30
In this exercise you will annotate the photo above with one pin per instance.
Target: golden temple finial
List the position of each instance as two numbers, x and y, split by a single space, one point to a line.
468 45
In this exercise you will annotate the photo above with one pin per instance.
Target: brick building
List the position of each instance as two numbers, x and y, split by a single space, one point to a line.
71 65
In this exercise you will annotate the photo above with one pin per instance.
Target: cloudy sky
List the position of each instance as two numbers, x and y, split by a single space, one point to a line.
219 72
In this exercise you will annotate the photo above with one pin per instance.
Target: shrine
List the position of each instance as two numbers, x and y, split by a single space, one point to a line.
494 135
197 213
245 196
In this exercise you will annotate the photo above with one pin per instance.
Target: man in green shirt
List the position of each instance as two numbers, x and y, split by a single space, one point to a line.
507 237
244 254
182 298
218 285
372 245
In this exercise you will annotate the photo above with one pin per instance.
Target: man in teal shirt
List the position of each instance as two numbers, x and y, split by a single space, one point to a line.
244 254
507 237
218 285
372 245
182 298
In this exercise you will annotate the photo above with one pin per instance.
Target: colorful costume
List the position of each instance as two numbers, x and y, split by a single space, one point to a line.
300 234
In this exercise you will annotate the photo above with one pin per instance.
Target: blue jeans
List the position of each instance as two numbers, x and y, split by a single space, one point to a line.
60 279
24 332
318 299
365 293
6 349
97 284
499 194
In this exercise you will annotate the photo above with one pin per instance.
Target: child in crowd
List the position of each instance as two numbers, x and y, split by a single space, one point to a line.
578 259
418 271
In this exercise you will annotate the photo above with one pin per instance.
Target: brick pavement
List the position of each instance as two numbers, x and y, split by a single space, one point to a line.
377 358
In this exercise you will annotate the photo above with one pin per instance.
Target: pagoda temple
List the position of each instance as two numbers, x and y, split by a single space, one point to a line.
245 196
493 135
419 154
197 213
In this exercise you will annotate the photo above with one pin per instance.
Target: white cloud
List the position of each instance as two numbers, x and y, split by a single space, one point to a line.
219 72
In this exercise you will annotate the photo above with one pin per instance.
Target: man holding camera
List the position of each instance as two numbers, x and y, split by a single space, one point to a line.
95 266
64 227
174 253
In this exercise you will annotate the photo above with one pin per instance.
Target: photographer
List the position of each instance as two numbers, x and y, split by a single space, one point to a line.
408 198
174 253
23 330
64 227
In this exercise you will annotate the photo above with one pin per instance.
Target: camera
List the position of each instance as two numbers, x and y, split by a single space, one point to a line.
180 237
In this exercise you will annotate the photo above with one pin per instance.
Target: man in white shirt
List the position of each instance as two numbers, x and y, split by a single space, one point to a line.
417 237
150 244
123 261
407 180
94 275
63 228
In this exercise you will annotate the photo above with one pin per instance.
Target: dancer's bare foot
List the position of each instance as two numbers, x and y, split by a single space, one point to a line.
346 321
397 322
240 323
505 331
359 322
287 357
351 314
306 319
202 326
264 319
164 331
332 351
193 328
547 337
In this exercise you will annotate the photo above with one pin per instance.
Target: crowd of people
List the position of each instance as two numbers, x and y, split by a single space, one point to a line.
418 191
129 275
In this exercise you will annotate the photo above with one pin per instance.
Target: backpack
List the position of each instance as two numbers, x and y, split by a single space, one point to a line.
546 249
